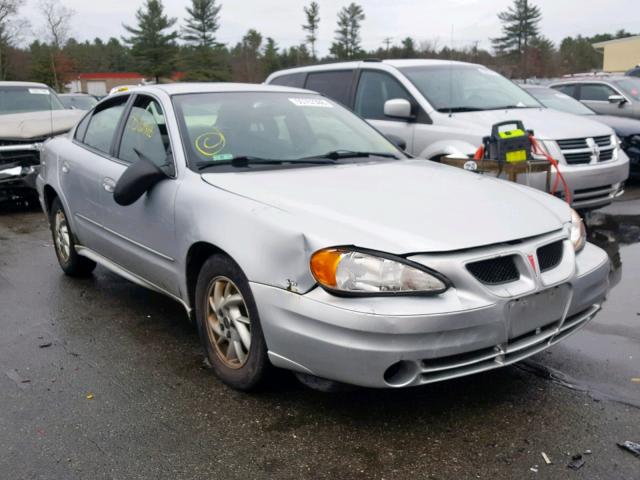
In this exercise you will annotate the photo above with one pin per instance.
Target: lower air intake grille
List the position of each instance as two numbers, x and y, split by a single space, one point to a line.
495 270
550 256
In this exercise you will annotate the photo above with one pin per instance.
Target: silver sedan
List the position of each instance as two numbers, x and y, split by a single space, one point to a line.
297 236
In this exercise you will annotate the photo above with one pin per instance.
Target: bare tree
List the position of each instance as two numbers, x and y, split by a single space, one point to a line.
57 23
8 10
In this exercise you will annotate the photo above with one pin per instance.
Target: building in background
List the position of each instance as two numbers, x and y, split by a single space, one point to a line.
621 54
100 84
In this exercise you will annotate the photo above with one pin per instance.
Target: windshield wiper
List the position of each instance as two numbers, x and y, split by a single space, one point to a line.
508 107
246 160
460 109
342 154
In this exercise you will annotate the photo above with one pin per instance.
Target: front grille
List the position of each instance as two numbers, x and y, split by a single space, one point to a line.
604 141
577 158
21 157
572 143
550 256
495 271
606 155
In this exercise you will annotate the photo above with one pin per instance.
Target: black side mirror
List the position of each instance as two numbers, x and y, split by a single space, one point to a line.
137 179
397 141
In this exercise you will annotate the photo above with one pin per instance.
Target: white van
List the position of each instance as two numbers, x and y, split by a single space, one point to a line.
441 108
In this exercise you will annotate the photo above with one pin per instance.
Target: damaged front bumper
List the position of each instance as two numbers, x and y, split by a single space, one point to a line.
19 167
400 342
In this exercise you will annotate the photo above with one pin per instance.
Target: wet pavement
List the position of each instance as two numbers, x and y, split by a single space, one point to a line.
100 378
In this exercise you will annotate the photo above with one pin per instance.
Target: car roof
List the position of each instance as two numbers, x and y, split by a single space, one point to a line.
215 87
23 84
398 63
77 94
591 79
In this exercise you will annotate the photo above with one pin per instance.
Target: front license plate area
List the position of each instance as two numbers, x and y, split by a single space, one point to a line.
526 314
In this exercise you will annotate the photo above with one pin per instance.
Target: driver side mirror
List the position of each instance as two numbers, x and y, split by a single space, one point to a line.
398 108
136 180
619 99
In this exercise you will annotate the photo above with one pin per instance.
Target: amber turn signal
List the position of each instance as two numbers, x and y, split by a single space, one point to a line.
324 264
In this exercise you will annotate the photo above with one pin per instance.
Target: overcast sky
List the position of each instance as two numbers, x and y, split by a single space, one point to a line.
425 20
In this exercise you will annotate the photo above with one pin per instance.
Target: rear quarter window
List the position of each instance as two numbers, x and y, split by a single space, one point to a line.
291 80
334 84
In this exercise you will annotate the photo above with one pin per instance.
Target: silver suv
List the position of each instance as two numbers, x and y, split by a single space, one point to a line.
605 94
441 108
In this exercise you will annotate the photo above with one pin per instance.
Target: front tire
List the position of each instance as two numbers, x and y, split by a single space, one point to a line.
229 324
64 243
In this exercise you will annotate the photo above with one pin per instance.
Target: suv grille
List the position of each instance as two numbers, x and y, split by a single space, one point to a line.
495 271
22 157
550 255
579 150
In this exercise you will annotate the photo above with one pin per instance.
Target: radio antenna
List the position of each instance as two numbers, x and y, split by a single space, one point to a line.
451 75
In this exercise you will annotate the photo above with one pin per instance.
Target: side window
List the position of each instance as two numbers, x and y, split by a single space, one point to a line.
103 124
567 90
291 80
145 132
334 84
375 88
81 129
596 92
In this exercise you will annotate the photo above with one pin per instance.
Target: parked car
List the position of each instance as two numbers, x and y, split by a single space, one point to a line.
78 101
634 72
29 114
441 108
297 236
627 129
606 94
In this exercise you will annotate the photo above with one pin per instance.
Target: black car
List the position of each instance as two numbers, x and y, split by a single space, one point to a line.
634 72
627 129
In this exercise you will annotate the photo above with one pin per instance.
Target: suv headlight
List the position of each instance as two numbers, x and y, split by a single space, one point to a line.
577 232
350 271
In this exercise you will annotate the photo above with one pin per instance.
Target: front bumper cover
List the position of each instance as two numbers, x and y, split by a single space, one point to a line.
19 166
427 340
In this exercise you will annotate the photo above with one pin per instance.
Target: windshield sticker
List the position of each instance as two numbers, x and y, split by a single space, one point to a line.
310 102
39 91
211 143
222 156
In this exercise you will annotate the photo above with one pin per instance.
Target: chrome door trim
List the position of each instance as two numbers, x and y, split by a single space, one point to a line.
133 242
123 272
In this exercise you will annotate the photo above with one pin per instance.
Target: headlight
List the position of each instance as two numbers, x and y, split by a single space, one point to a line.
577 234
350 271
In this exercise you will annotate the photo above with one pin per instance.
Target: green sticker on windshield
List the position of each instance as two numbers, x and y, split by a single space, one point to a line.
222 156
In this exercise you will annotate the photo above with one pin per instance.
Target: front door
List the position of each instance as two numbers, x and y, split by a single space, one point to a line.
596 96
374 89
142 235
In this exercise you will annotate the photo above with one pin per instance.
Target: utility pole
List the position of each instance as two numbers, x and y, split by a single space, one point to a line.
387 42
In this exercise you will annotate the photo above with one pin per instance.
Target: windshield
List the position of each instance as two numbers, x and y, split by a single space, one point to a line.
79 102
28 99
218 127
631 87
467 88
559 101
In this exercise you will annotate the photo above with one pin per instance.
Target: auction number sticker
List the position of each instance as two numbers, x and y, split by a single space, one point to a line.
39 91
310 102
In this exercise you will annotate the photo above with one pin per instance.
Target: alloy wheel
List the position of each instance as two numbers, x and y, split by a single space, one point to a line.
61 236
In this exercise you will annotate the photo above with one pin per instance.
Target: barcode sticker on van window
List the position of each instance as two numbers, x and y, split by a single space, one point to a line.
310 102
39 91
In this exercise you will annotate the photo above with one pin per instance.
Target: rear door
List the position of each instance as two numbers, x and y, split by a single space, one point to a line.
80 163
142 235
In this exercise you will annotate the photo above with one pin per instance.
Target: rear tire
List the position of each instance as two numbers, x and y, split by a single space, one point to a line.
64 243
229 324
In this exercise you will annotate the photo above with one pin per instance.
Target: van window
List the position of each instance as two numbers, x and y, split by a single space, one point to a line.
335 84
290 80
567 89
598 92
103 124
375 88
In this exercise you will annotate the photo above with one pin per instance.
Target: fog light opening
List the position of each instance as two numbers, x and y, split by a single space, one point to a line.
401 373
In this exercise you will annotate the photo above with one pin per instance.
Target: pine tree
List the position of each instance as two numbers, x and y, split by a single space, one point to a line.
312 13
152 42
347 40
519 26
202 23
270 57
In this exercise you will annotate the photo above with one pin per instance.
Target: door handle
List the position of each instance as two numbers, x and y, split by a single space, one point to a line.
108 184
65 167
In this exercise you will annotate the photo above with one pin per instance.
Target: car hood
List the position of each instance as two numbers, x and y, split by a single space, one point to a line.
399 206
36 125
623 126
547 124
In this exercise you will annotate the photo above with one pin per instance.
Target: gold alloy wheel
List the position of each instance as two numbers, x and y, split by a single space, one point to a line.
61 236
228 322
